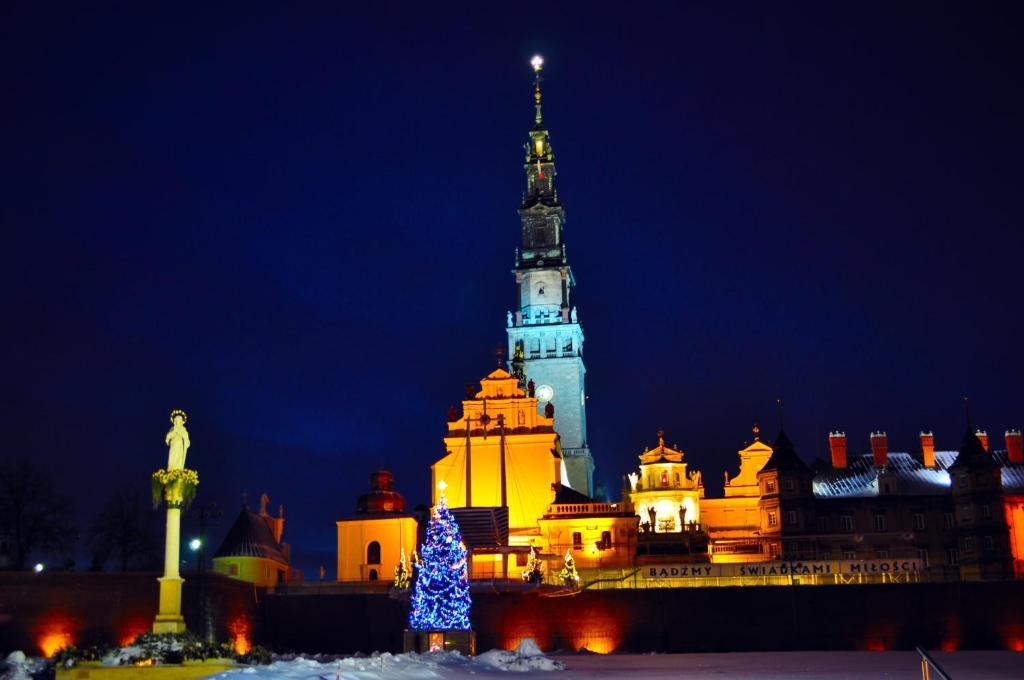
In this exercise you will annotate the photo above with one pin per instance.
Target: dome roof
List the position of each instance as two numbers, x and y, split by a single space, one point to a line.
382 499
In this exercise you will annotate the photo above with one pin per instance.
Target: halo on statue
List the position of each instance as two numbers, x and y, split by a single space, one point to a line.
178 412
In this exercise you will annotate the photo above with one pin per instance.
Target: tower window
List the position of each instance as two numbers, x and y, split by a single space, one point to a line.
373 553
773 519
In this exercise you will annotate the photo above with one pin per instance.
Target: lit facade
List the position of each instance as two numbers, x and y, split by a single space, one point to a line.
370 545
665 495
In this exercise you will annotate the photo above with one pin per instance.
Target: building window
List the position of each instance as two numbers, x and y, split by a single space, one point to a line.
986 512
879 522
577 540
373 574
882 553
949 520
664 478
791 517
922 554
567 347
989 543
953 557
961 481
918 521
232 569
535 348
773 550
825 555
788 485
965 514
823 524
850 554
677 480
521 559
773 520
606 539
769 486
846 521
373 553
969 544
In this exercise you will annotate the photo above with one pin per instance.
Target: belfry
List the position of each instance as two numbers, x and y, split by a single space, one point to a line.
545 339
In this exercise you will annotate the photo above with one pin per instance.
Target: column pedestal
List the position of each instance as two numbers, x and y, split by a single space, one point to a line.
170 620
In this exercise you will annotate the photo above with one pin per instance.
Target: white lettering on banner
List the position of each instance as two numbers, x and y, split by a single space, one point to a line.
782 569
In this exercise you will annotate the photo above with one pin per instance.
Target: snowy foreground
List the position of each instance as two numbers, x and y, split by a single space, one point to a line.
775 665
528 662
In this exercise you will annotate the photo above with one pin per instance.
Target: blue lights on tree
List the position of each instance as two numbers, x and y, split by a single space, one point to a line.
440 600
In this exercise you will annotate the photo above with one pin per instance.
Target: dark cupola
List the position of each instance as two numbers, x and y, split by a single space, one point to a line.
382 499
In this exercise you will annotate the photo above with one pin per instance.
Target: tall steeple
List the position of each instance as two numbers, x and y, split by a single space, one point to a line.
544 335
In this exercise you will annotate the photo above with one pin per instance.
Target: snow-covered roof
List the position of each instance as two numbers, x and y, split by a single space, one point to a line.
860 477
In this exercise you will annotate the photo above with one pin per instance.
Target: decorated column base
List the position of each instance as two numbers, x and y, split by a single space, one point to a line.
462 641
169 618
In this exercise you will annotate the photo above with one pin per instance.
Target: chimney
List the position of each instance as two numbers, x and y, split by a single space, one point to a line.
983 438
837 442
880 448
1014 452
928 448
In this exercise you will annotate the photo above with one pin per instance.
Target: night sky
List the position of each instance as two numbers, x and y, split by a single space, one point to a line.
298 222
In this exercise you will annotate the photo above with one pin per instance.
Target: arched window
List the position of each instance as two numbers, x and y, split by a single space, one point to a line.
373 574
373 553
664 478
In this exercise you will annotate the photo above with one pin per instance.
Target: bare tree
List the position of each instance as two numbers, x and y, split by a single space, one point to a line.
126 530
33 516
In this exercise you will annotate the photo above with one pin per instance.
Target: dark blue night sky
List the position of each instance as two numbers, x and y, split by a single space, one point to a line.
297 222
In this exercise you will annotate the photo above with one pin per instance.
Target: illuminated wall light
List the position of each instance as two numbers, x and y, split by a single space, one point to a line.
950 645
876 646
241 644
50 642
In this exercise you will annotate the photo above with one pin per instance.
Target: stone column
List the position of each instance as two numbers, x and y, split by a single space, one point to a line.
169 618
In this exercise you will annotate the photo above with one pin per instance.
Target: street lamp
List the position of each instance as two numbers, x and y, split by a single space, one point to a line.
39 567
195 544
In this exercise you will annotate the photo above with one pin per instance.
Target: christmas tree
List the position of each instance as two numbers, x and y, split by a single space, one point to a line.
570 577
440 600
402 576
534 568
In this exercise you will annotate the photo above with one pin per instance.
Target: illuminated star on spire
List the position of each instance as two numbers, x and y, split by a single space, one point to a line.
442 486
537 62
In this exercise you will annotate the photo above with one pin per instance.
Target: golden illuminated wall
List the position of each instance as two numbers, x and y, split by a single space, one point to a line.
591 552
354 538
665 484
1014 508
733 523
532 462
259 570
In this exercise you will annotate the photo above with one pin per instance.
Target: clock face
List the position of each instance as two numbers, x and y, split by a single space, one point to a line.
545 393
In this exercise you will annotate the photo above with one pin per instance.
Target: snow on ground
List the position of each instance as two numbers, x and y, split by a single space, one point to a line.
771 665
528 663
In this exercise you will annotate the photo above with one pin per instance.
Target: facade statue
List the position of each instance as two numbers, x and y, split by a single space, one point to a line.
572 315
177 441
508 319
652 513
549 410
682 517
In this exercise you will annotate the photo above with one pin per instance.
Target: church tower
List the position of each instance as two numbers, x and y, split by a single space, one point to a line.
545 338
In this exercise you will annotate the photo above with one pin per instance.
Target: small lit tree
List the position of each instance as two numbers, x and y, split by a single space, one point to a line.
440 599
534 568
402 573
570 577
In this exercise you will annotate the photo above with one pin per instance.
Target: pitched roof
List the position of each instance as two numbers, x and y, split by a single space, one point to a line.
784 457
250 536
972 453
